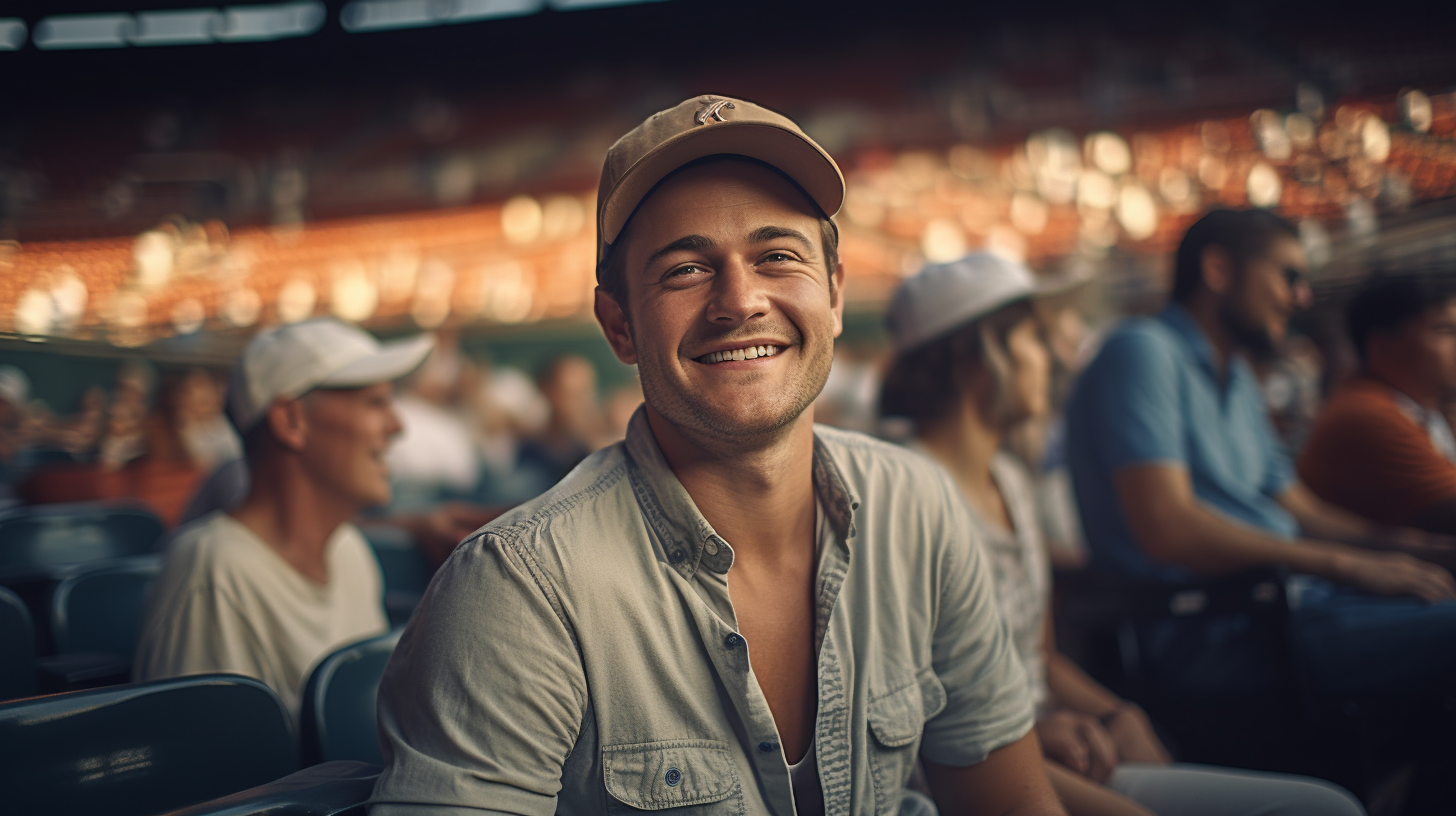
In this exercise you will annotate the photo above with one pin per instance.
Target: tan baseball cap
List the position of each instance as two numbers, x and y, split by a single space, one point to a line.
708 126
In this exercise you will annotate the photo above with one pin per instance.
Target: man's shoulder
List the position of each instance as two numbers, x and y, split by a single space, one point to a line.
867 461
1362 399
212 553
585 504
1139 338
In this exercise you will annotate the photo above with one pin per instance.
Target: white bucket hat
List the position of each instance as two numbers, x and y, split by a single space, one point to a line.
941 297
289 361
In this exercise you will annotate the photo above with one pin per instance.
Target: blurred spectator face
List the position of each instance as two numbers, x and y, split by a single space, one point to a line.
347 434
1269 289
726 256
1030 369
1425 347
198 397
570 386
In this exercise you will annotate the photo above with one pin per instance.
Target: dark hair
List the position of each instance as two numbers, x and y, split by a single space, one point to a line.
1386 303
611 271
925 384
1244 234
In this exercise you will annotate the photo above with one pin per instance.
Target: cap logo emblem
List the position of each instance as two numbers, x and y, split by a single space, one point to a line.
713 112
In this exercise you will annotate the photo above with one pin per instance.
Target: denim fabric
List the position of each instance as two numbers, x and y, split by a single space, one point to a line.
1152 395
580 654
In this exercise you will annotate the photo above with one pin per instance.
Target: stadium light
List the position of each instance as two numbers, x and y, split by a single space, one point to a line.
254 23
12 34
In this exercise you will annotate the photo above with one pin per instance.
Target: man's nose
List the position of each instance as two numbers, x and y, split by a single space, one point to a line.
738 293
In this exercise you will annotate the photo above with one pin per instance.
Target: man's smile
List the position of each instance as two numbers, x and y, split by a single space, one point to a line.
739 354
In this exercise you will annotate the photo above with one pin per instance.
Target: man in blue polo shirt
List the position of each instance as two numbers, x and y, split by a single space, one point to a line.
1178 474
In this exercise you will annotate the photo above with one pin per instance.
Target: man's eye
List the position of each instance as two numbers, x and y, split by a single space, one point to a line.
690 269
778 257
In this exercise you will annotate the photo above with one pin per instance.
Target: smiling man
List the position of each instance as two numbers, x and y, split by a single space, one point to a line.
270 586
733 610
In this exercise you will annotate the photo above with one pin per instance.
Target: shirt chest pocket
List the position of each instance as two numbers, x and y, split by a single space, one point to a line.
683 776
896 720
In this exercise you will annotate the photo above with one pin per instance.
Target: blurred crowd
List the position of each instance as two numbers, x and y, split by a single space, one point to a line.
474 433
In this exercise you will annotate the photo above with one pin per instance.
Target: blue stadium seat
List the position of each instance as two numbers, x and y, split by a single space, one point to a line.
330 789
339 720
406 570
144 748
44 538
96 617
17 647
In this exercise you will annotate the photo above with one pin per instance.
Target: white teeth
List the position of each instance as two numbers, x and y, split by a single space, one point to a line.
746 353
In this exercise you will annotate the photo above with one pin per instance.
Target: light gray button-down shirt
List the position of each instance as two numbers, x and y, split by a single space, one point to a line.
581 655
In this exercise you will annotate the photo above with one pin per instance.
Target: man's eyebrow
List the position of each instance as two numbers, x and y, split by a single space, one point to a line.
687 243
764 234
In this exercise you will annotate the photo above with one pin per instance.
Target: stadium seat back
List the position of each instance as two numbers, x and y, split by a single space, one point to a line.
17 647
339 720
100 610
329 789
144 748
46 537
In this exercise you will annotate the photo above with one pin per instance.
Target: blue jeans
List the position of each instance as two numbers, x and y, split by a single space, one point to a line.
1346 643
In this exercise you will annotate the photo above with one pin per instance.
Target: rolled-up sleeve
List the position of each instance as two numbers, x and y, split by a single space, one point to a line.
988 701
483 699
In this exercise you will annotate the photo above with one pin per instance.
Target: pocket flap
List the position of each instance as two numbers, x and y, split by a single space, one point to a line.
674 773
897 718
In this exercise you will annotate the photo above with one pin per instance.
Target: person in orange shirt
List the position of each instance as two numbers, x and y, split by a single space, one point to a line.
1381 447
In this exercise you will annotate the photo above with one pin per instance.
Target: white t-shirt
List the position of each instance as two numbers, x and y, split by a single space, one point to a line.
227 602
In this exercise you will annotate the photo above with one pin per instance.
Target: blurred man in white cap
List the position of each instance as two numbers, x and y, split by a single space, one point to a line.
732 611
270 586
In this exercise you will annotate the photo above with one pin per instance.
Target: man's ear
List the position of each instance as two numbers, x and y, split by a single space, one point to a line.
614 325
1218 269
836 297
288 421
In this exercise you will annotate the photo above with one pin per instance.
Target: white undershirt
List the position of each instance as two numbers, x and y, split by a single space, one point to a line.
804 774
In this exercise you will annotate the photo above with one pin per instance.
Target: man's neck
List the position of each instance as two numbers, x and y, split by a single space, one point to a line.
759 498
293 516
1412 387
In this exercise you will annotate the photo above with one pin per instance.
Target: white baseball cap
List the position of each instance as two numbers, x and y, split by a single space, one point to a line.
289 361
14 385
941 297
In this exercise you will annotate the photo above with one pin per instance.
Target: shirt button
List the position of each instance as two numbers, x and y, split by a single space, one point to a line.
768 747
733 641
679 556
673 778
711 546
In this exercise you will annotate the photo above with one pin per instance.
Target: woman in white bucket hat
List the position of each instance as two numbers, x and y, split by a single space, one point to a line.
969 366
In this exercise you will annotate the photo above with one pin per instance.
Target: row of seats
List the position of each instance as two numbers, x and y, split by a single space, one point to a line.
151 747
220 744
95 616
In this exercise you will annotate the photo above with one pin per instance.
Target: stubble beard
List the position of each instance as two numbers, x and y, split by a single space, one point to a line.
696 417
1246 333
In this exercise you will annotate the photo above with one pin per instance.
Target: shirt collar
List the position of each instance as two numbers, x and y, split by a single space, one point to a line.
1190 333
688 540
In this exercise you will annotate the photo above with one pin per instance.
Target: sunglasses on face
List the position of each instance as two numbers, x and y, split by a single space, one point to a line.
1295 277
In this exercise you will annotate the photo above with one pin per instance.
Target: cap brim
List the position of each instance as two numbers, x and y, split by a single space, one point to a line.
393 361
801 160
